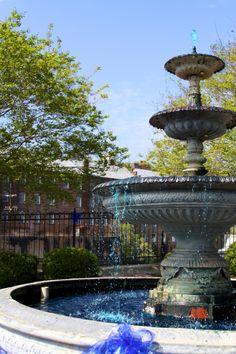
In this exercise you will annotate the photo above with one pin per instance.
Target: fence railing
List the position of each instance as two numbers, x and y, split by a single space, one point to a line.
113 242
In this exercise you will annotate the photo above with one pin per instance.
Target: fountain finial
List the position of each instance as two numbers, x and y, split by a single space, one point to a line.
194 38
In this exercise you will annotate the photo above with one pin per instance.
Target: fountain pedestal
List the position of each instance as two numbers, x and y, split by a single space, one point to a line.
194 284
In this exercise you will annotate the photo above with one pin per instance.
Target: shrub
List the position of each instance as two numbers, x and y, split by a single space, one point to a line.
168 254
230 256
70 262
17 269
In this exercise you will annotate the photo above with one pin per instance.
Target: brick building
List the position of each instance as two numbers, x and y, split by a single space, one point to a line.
16 199
36 223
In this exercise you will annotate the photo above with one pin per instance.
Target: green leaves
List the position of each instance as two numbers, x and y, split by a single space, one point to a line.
133 246
70 262
230 256
167 157
47 108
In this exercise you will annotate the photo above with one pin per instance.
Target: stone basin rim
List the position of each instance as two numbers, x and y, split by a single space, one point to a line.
194 57
58 334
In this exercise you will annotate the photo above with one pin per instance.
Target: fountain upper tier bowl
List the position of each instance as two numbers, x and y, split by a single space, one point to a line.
193 206
204 123
201 65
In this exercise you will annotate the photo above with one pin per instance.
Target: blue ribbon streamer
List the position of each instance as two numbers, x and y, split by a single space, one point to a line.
2 351
124 340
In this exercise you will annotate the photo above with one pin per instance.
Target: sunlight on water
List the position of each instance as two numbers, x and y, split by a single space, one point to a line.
122 306
110 317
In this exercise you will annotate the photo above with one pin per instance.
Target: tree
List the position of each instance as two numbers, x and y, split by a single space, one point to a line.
230 256
167 157
47 112
133 246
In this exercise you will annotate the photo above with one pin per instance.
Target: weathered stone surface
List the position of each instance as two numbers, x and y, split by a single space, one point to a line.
26 330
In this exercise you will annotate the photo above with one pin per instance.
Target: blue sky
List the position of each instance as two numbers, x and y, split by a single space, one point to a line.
131 40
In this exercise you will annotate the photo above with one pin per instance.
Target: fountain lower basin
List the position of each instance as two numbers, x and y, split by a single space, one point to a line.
23 329
194 209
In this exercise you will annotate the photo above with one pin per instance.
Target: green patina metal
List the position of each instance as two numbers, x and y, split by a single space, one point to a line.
194 208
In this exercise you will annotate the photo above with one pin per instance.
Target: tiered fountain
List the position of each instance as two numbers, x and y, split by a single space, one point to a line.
194 208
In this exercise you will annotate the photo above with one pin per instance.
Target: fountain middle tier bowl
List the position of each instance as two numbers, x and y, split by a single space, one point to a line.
187 206
203 123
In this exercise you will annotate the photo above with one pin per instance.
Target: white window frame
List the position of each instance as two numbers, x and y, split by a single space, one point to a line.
78 201
51 201
22 217
37 218
4 216
51 219
37 198
22 198
66 185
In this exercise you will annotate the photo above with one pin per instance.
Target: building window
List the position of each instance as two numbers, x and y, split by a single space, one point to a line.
51 219
91 203
37 198
22 197
22 217
37 218
91 221
66 185
5 197
78 202
51 201
4 216
154 237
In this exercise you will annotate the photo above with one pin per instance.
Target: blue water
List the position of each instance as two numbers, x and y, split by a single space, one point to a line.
122 306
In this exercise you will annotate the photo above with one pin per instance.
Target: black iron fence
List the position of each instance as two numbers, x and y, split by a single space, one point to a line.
113 242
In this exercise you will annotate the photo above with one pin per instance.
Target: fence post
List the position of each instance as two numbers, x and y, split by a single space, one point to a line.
74 227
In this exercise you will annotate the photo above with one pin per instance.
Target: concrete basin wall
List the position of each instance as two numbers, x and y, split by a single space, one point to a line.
27 330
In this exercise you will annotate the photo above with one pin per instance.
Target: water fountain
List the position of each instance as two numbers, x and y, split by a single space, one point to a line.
194 208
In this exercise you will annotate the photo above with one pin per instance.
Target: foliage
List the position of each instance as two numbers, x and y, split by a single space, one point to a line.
70 262
168 254
47 111
133 245
230 256
220 89
17 269
167 156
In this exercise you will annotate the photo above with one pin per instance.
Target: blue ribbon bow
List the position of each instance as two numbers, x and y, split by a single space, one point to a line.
124 340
